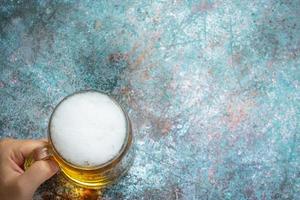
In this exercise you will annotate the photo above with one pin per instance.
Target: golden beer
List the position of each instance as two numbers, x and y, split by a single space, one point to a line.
80 171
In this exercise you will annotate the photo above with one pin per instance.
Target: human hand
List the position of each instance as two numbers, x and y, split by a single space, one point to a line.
15 183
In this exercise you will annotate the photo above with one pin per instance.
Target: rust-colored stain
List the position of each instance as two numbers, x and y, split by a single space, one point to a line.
58 187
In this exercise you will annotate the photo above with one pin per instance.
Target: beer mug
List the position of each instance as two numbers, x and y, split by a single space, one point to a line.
90 137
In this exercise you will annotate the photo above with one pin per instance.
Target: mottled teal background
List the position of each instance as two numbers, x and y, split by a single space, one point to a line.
212 88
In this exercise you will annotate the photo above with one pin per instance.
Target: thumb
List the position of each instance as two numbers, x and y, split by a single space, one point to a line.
37 173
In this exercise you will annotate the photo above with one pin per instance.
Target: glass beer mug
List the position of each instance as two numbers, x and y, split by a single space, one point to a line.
90 137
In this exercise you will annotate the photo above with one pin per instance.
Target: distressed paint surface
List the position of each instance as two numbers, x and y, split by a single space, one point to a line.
212 88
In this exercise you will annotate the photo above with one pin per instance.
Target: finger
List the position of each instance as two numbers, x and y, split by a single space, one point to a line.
26 147
41 153
37 173
44 140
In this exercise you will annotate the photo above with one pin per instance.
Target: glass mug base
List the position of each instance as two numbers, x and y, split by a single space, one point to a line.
98 176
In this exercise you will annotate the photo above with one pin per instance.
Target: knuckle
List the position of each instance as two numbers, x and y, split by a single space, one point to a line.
4 142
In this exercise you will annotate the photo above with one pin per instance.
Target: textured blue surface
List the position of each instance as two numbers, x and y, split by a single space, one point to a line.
212 88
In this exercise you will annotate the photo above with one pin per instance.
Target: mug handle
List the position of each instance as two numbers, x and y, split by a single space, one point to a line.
40 153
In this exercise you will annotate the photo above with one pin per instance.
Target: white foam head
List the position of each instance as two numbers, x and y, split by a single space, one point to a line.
88 129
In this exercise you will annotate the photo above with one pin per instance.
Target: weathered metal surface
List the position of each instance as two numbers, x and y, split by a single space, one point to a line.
212 88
